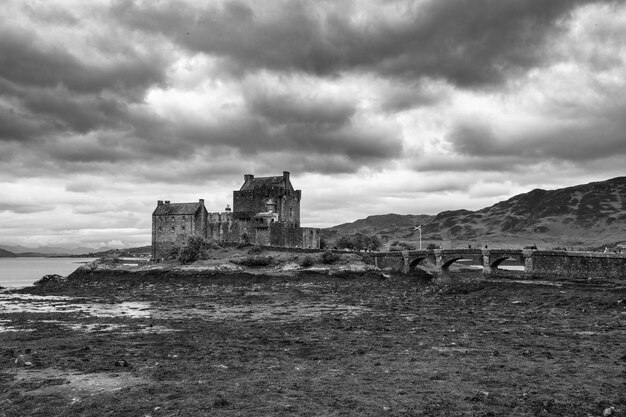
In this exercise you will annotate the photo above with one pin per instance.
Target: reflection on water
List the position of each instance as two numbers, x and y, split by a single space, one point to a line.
20 303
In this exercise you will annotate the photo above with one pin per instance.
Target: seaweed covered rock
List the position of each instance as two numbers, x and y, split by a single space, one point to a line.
51 278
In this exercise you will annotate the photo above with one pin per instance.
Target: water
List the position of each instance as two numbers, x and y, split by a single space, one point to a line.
20 272
512 267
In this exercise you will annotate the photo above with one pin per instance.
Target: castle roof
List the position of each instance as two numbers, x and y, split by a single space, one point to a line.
269 182
173 209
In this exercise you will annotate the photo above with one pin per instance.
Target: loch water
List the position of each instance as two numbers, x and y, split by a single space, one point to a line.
20 272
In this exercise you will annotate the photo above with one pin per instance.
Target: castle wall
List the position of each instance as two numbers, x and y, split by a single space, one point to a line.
171 231
310 237
221 227
246 204
262 236
289 208
294 237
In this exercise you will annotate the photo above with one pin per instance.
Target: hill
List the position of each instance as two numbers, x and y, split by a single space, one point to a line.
6 254
584 216
386 226
138 252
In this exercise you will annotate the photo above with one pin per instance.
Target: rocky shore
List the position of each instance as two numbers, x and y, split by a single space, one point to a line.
239 338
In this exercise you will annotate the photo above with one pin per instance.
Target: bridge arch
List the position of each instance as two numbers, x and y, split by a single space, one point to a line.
413 264
448 262
498 261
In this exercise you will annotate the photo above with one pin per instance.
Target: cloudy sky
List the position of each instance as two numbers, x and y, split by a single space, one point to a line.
375 107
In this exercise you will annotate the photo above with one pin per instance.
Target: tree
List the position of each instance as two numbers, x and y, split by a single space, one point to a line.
359 241
195 249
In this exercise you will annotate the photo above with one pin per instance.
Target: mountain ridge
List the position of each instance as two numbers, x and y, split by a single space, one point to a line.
7 254
585 215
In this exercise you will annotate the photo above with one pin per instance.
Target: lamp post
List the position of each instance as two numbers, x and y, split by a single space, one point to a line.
420 230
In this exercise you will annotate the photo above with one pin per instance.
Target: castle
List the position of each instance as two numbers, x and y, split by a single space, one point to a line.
265 211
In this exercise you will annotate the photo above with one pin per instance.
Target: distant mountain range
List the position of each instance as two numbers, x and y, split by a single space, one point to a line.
21 251
6 254
17 250
582 216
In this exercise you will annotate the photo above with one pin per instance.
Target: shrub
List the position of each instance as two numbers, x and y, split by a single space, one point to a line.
307 261
172 253
359 241
254 261
367 259
432 246
195 249
405 246
255 250
244 239
329 257
49 278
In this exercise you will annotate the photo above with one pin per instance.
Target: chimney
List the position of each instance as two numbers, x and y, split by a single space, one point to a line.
286 175
159 203
201 201
248 177
227 209
167 202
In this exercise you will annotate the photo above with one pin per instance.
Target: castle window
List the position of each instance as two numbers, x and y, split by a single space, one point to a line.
291 212
183 228
172 228
160 229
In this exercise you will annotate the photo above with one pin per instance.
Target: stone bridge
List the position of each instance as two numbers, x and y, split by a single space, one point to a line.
536 263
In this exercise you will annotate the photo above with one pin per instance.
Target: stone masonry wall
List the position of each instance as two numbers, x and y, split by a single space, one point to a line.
285 236
289 208
246 204
390 263
171 231
310 237
578 265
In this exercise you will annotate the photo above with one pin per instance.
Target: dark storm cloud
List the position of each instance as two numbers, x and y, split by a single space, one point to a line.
318 124
400 98
17 126
457 163
50 89
586 138
476 138
254 135
58 109
469 43
26 59
291 108
75 109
